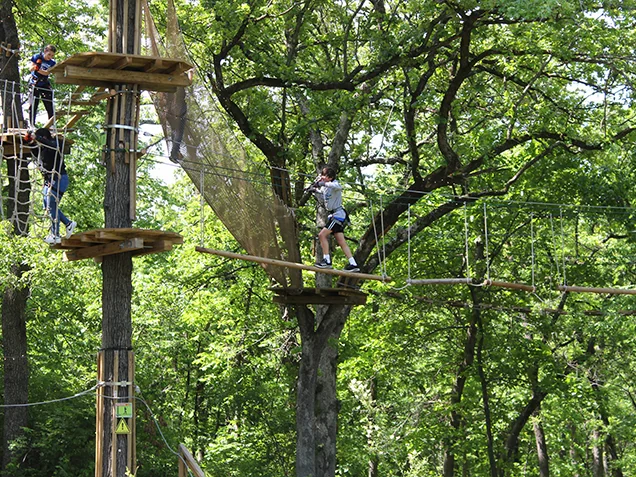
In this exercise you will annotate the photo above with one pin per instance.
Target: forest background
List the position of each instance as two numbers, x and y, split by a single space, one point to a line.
490 140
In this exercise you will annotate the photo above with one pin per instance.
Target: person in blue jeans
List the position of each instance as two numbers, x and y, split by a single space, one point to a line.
39 84
55 183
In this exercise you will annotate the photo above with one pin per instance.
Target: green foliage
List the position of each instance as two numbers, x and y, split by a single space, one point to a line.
215 359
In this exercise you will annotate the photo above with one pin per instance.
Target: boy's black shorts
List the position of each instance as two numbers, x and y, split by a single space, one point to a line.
335 226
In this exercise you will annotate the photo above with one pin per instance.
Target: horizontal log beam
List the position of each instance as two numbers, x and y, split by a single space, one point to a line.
298 266
608 291
513 286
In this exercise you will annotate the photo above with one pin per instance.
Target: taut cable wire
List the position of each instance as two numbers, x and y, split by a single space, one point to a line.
468 273
486 237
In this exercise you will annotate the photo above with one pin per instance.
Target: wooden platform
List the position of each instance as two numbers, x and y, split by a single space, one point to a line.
319 296
101 242
13 143
107 69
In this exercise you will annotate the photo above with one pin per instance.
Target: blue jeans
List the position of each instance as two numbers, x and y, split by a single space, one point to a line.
53 193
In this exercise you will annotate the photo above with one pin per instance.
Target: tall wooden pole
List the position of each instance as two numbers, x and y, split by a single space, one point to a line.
115 436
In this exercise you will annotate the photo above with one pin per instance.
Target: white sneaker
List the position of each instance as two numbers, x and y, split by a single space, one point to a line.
70 228
53 239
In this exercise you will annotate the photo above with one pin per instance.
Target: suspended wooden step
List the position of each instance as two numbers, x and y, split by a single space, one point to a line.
299 266
319 296
13 143
109 69
469 281
101 242
510 285
441 281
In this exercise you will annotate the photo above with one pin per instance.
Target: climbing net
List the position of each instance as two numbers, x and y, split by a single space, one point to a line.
21 184
229 182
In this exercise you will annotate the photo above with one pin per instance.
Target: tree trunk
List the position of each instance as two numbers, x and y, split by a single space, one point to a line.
118 450
542 447
484 385
457 393
373 459
306 396
598 469
317 409
327 404
14 299
574 460
16 375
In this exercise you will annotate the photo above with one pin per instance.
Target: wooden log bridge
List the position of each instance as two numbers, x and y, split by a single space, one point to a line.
299 266
607 291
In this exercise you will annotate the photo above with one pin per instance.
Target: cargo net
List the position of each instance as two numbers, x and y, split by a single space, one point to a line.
234 187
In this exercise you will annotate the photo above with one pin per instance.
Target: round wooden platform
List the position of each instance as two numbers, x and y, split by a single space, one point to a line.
101 242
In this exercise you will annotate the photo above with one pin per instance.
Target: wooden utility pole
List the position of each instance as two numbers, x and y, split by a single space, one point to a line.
115 439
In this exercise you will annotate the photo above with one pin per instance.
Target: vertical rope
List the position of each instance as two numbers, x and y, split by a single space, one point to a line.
532 245
486 236
562 245
466 240
202 204
4 102
554 248
383 263
375 233
408 236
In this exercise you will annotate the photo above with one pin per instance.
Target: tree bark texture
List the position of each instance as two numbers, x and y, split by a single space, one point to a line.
542 447
122 121
484 384
598 469
470 345
457 392
14 299
305 397
16 375
327 404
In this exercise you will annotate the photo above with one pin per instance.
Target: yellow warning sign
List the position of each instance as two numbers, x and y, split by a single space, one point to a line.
122 427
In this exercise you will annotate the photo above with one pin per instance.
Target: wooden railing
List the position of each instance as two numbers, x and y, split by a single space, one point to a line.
186 461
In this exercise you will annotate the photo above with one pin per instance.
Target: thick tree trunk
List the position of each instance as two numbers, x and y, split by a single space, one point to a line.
16 375
117 451
306 396
542 446
14 299
598 469
327 404
574 460
317 409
